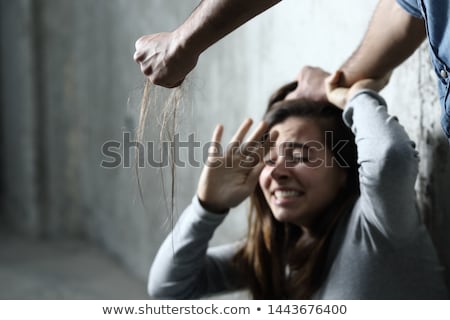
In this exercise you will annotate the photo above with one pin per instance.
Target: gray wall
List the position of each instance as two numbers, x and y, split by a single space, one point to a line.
69 85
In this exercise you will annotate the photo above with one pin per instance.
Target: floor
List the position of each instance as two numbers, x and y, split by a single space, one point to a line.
62 270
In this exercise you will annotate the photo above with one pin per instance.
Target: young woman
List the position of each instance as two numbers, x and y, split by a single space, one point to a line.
333 209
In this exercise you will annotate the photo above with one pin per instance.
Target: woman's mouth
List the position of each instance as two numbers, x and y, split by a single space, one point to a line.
286 197
285 194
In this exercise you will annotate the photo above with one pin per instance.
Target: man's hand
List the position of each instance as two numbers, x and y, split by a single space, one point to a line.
163 59
339 96
310 85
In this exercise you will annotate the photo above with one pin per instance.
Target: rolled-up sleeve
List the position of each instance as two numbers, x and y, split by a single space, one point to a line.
411 6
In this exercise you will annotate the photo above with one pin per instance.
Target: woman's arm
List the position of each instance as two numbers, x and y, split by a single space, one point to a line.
387 158
184 266
388 165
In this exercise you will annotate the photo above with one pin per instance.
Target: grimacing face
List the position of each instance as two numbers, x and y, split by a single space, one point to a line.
300 179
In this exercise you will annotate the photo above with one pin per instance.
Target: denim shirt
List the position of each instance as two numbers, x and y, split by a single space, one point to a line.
436 13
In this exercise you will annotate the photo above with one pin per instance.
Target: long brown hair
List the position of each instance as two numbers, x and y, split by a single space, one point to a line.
276 262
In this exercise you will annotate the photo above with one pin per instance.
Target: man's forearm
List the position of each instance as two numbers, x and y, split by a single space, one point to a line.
214 19
392 36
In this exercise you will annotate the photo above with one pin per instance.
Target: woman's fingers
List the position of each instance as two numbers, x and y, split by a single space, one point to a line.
217 134
242 131
215 148
258 133
254 143
252 151
332 82
336 95
336 77
258 165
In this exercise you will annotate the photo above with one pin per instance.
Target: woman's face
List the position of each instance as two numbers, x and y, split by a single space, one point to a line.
300 179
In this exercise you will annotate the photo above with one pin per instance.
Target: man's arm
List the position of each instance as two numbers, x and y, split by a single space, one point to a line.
166 58
392 36
214 19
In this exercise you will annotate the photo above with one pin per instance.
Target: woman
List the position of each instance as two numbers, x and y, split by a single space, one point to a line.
330 219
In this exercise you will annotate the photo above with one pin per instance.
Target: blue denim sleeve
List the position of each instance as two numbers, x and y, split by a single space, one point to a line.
412 7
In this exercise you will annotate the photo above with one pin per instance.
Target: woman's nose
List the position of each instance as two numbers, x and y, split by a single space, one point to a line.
279 170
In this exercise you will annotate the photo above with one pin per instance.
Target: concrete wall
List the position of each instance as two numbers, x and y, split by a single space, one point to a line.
69 85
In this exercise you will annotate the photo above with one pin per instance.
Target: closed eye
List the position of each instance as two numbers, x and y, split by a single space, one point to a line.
300 158
269 162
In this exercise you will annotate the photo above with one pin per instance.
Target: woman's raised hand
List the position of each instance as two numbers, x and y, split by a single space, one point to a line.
336 95
231 175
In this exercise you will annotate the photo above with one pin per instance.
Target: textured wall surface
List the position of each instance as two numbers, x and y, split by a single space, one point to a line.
69 85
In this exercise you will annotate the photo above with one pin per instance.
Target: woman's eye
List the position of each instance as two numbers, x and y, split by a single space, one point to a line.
269 162
298 158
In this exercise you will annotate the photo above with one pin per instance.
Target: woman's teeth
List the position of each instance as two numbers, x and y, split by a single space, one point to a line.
282 194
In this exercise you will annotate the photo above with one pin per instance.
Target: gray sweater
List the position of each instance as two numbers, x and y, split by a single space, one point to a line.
381 251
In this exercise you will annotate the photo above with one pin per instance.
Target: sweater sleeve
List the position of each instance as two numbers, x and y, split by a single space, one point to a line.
388 166
184 267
